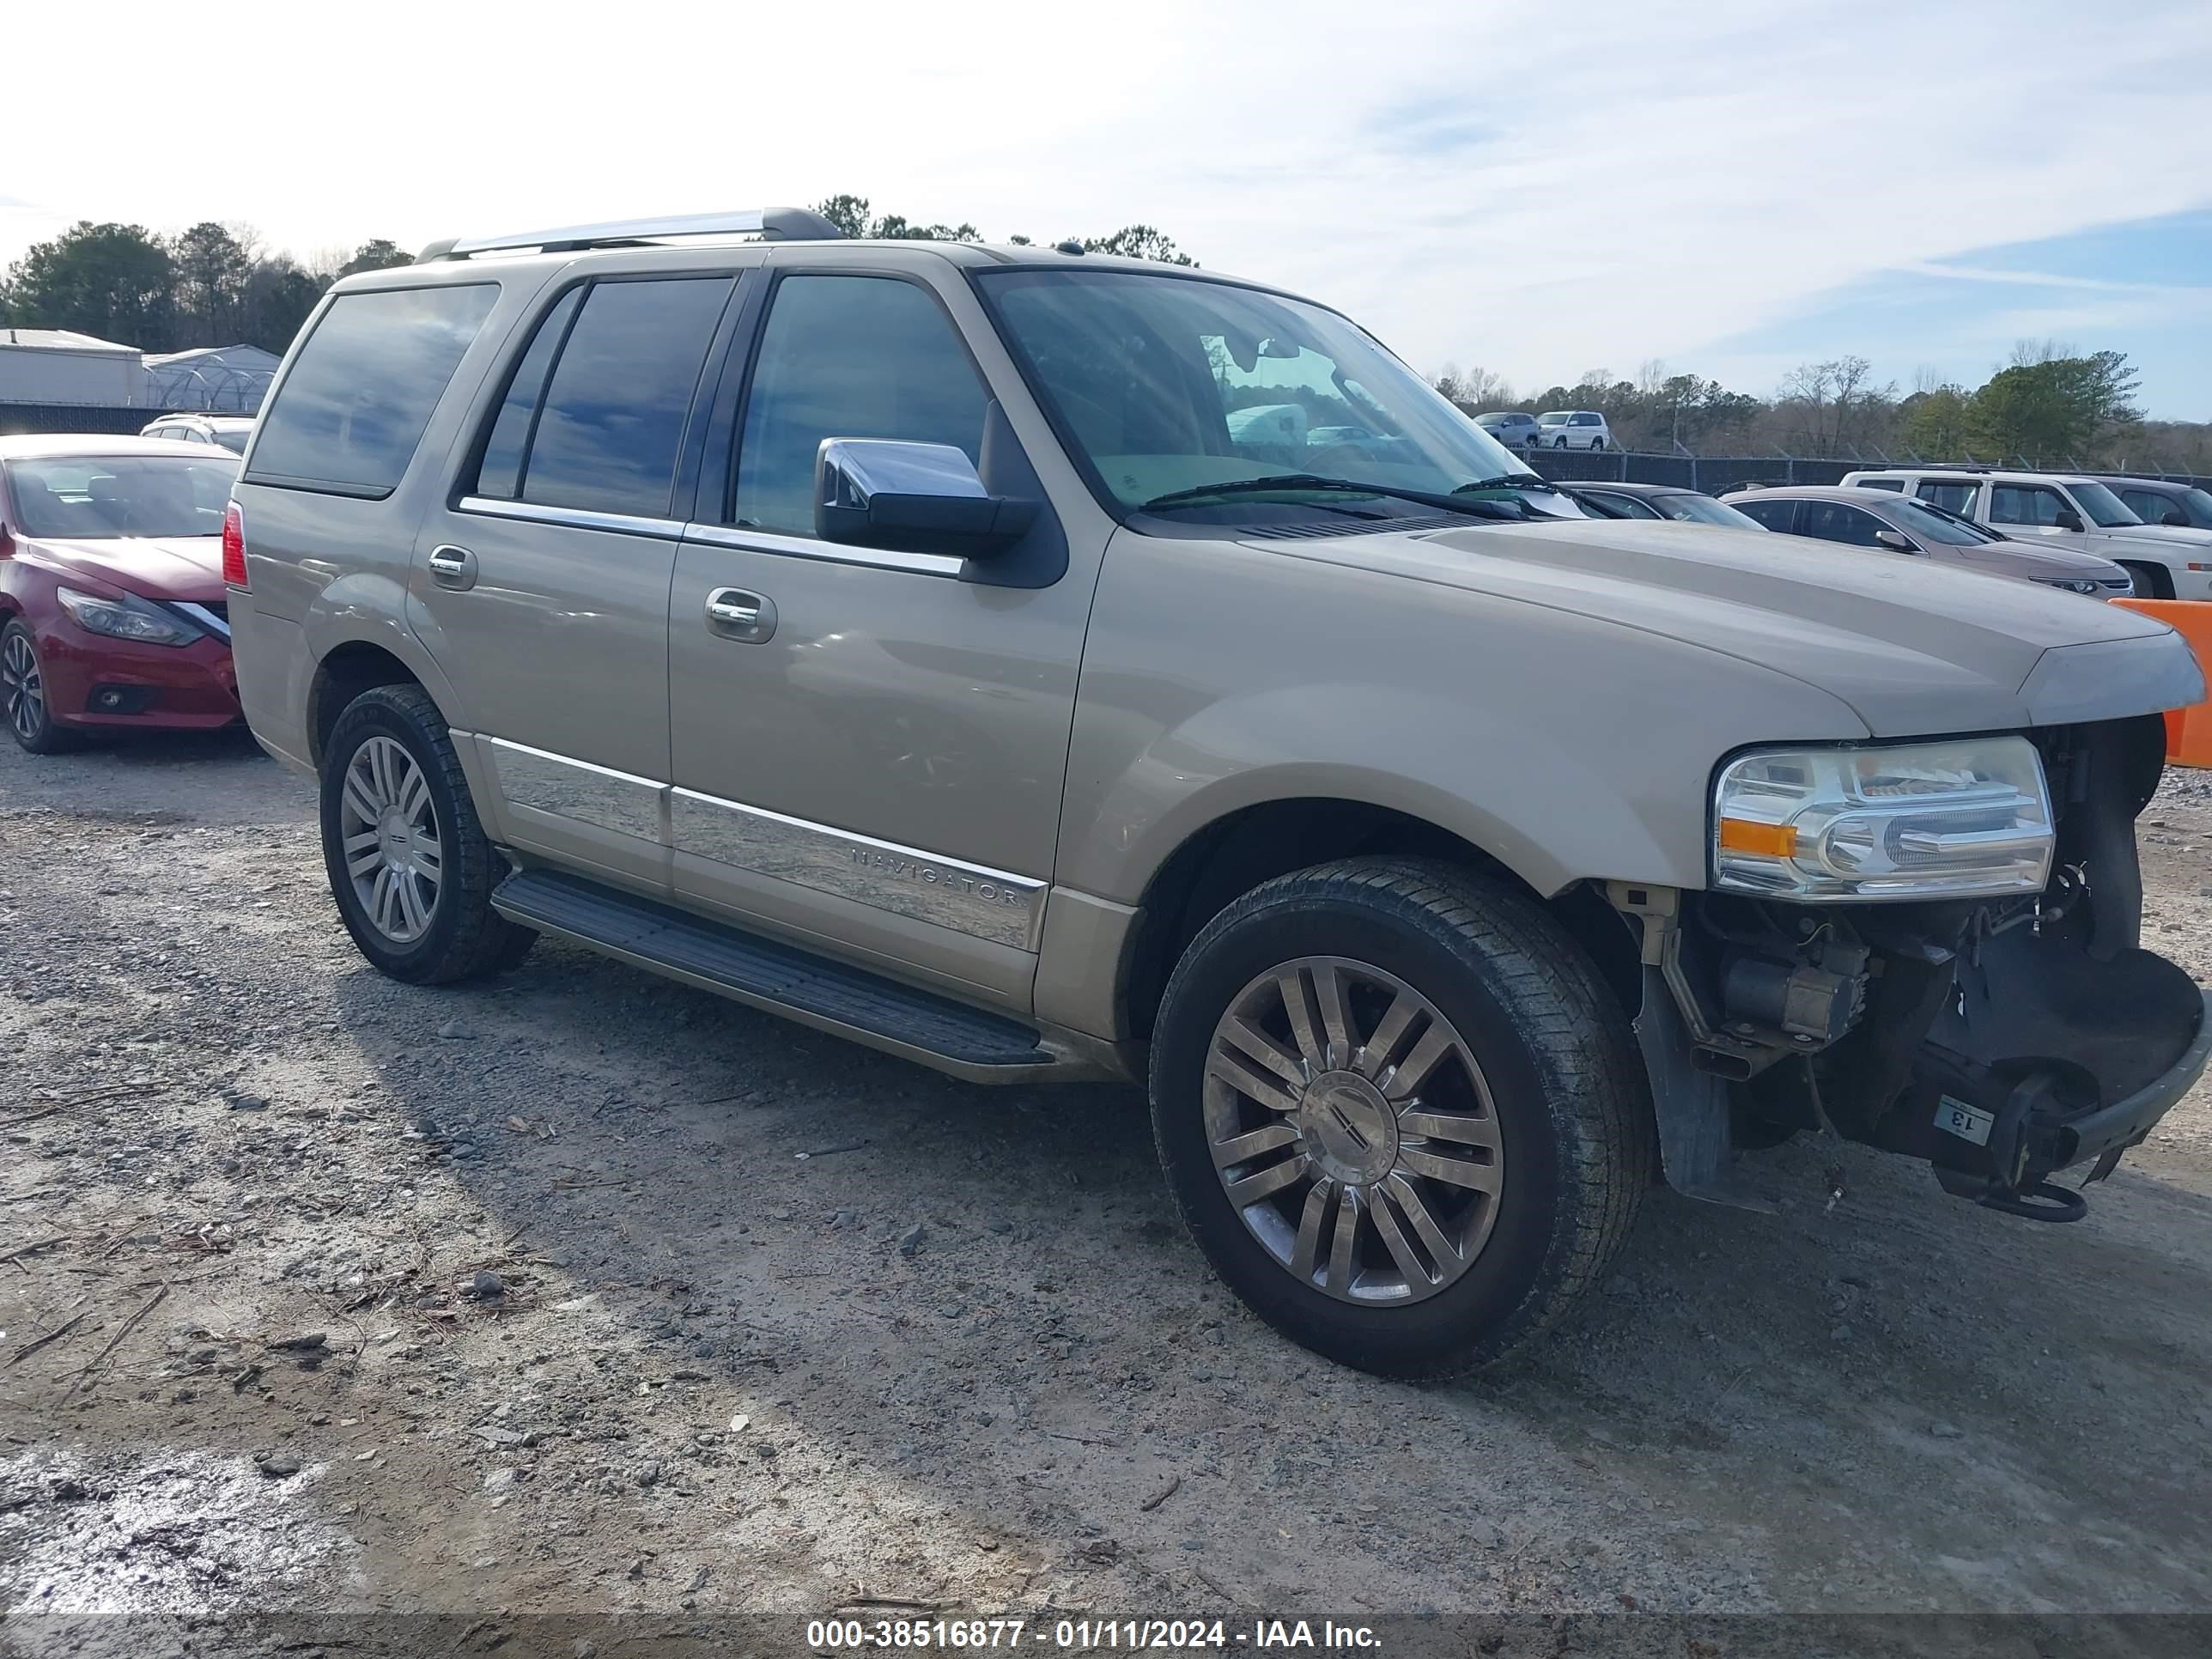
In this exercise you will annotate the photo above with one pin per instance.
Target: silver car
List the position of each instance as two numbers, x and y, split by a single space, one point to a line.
970 651
1513 427
1883 522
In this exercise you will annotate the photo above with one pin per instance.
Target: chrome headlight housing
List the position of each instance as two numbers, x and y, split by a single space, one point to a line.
1967 818
128 618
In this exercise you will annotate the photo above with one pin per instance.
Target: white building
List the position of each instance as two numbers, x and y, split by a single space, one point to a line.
53 366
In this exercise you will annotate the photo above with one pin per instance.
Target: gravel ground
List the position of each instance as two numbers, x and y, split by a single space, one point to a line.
583 1293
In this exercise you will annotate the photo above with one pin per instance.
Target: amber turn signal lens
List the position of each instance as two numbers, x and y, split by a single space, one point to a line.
1777 841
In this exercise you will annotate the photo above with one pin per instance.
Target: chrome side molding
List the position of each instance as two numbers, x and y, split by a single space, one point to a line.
950 893
578 790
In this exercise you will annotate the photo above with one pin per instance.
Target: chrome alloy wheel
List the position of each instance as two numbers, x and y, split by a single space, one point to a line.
1353 1131
388 826
25 691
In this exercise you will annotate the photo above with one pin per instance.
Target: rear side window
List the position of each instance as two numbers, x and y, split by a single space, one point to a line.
350 412
500 473
606 431
1897 484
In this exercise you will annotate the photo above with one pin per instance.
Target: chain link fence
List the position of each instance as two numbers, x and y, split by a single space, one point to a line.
109 419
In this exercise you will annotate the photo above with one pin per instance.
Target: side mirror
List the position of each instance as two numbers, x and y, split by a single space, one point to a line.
2175 517
1895 541
911 498
2069 519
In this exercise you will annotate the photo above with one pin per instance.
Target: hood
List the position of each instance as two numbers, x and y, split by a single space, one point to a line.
2186 535
182 569
2038 562
1912 647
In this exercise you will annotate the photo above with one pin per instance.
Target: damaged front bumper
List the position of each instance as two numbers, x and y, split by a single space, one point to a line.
2002 1041
2107 1131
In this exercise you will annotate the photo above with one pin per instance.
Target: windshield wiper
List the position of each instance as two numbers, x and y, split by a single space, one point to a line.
1510 481
1473 509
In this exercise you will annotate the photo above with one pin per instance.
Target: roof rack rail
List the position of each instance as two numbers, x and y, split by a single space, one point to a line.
772 224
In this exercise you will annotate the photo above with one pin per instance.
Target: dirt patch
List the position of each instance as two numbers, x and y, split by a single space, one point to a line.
585 1292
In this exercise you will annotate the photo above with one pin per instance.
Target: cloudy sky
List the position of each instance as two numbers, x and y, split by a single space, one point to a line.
1734 187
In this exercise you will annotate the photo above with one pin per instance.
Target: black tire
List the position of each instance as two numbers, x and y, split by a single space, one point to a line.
45 735
1560 443
1596 445
1571 1101
465 938
2151 581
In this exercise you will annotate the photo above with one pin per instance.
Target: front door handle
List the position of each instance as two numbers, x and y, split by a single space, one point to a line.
734 614
453 566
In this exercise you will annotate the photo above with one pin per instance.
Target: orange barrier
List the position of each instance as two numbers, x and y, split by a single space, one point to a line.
2188 731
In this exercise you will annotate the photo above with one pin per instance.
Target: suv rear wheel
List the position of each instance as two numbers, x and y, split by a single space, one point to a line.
1401 1112
409 864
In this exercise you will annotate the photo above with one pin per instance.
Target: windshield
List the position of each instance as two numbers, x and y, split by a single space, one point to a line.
2101 505
1171 384
1555 417
1923 524
1688 508
107 497
233 438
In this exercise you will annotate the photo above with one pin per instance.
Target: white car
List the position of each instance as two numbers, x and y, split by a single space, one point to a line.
230 432
2167 562
1572 428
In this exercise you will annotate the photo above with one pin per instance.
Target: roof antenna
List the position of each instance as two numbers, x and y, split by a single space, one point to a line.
1071 245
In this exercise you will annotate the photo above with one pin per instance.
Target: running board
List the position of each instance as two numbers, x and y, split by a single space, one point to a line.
782 979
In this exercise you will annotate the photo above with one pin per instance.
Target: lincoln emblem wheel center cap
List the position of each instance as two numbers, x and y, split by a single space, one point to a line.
1351 1129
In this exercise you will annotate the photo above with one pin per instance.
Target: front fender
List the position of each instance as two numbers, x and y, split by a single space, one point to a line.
1548 815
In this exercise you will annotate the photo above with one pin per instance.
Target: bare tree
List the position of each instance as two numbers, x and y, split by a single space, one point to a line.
1825 406
1475 389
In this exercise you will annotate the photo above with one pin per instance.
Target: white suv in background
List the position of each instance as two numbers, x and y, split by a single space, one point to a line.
2167 562
1572 428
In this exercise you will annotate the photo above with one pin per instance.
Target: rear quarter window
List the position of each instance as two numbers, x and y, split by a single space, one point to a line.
351 411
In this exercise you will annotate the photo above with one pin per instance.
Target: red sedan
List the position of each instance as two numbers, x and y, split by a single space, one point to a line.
111 603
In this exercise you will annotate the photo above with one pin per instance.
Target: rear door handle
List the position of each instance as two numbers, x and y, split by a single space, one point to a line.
453 566
734 614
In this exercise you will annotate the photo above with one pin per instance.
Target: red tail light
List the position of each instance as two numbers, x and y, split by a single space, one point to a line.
234 547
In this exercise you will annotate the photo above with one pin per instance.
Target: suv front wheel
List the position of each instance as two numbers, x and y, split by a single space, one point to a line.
1401 1112
409 864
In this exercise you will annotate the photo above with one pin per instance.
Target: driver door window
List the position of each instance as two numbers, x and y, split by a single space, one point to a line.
848 357
1627 506
2027 504
1834 521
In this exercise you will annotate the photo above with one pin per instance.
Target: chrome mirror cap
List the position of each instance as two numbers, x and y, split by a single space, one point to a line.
911 497
851 471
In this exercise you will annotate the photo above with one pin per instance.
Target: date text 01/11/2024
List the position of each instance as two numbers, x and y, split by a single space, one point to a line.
961 1635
